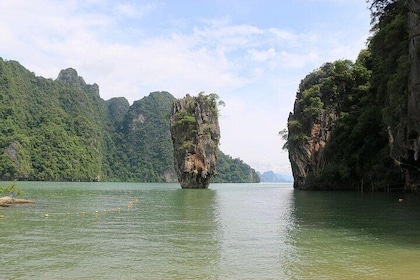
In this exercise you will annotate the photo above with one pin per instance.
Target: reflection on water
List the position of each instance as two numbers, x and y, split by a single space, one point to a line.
192 234
356 236
255 225
231 231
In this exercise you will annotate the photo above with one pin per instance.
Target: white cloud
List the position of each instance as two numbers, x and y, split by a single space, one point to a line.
261 56
126 9
298 60
283 35
135 10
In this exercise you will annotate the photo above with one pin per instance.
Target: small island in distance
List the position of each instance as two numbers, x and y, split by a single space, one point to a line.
271 177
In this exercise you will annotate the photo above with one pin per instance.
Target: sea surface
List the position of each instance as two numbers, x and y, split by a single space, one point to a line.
230 231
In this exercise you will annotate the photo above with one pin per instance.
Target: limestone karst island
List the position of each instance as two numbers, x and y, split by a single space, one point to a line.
356 125
195 135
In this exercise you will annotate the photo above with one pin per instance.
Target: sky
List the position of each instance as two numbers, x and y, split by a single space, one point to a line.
253 54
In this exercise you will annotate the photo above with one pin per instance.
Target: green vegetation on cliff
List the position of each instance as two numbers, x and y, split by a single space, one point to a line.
61 130
349 128
50 130
195 133
234 170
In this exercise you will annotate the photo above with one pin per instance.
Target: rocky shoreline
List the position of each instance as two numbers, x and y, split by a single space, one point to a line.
7 201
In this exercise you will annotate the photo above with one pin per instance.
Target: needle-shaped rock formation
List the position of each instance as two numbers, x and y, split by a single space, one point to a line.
195 135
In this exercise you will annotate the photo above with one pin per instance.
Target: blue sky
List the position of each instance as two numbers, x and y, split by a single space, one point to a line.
253 54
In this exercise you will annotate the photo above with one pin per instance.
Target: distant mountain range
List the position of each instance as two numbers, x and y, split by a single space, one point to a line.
270 176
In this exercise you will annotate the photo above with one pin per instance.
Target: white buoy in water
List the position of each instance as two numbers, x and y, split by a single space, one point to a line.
400 200
46 215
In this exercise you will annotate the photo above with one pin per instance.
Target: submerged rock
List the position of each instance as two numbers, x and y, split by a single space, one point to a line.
6 201
195 136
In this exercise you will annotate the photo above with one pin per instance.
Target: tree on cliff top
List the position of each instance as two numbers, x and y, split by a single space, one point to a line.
379 9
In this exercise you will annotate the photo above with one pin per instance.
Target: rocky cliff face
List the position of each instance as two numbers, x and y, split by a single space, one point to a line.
308 138
311 124
332 136
404 126
195 136
412 168
70 78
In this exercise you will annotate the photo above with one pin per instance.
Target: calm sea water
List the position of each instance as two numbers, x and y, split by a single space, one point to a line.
231 231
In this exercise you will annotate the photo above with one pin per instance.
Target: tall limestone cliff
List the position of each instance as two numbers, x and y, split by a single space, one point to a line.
370 137
336 138
195 135
396 80
412 156
310 127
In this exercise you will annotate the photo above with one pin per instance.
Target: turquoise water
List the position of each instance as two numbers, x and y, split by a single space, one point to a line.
231 231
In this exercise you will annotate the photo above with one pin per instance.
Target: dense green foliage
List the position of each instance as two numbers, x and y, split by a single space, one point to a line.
358 152
185 123
50 130
234 170
143 142
11 189
61 130
365 101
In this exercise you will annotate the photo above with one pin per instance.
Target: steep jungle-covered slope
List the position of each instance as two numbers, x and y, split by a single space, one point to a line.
61 130
356 125
50 130
143 142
